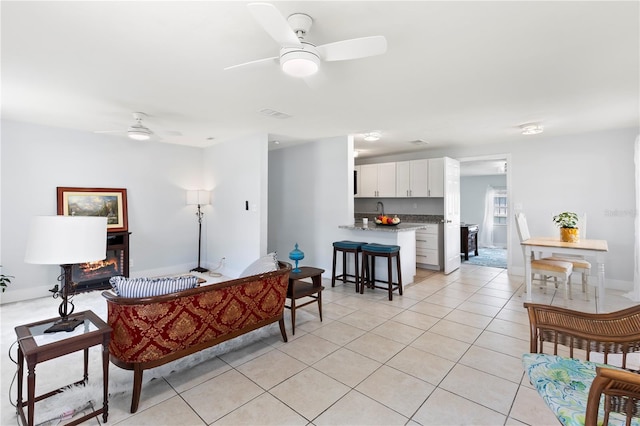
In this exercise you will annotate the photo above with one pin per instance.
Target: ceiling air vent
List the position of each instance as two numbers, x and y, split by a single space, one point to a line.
419 142
274 114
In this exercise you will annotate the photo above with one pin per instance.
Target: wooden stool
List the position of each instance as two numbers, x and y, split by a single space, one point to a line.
298 289
369 278
345 247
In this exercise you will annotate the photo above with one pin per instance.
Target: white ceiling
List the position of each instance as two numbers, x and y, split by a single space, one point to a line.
455 73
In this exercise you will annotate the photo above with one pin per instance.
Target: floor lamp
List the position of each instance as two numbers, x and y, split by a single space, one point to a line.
200 198
66 241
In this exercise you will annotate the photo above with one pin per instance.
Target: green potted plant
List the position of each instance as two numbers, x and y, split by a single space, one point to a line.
5 280
568 224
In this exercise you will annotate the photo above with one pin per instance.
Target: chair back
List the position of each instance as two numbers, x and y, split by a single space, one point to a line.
523 228
582 225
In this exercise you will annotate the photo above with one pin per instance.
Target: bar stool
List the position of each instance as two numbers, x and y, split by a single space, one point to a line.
371 251
345 247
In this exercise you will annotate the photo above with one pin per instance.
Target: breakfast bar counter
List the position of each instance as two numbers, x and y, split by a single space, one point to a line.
403 235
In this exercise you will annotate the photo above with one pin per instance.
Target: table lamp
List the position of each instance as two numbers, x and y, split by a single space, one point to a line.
66 241
200 198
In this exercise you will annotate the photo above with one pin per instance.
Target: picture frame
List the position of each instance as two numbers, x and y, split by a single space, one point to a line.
108 202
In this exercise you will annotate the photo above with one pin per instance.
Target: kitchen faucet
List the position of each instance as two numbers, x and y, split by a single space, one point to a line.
381 205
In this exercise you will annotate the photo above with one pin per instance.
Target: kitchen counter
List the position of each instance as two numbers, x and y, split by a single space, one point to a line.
401 227
403 235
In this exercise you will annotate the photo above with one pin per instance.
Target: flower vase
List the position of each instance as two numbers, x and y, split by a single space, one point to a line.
569 235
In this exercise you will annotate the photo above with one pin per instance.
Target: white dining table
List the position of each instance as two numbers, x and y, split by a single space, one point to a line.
587 248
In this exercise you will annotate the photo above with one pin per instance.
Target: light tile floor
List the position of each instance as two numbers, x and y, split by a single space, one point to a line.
447 352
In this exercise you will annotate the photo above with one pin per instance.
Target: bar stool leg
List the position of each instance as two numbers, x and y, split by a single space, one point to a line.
333 274
365 271
344 266
356 266
399 273
390 276
373 273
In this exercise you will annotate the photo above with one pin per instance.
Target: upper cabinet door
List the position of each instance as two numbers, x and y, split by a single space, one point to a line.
436 177
368 180
419 178
403 179
387 180
412 178
358 181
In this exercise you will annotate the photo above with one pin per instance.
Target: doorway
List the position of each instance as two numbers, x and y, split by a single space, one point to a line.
485 201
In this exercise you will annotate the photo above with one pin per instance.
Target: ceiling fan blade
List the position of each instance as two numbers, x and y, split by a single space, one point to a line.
273 59
108 131
354 48
274 24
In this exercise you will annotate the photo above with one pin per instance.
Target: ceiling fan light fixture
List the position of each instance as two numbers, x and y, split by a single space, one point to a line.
299 63
139 133
531 129
372 136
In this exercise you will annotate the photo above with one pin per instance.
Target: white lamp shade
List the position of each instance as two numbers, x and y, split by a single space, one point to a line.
198 197
66 240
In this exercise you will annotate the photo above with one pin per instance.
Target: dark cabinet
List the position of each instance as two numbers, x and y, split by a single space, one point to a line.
468 240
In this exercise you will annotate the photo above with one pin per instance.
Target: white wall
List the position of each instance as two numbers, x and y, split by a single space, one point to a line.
310 195
37 159
591 172
236 173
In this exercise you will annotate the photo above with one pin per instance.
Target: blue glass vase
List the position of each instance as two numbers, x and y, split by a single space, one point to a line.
296 255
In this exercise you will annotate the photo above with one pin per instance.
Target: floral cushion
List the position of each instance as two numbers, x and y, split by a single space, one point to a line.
564 386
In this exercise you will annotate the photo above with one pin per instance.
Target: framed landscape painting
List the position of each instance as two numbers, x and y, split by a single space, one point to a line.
108 202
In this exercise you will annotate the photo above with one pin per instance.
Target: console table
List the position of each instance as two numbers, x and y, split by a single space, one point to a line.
35 346
468 240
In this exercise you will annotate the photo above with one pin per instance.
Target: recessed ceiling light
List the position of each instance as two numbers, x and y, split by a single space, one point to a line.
372 136
531 129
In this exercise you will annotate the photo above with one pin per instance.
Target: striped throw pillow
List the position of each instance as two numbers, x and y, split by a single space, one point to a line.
149 287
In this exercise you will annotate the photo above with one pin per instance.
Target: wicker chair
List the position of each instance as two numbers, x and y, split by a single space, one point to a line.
610 338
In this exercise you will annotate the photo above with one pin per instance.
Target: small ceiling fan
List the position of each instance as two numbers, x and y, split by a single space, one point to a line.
298 57
136 131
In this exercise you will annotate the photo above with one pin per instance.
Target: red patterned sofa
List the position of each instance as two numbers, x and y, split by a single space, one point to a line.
149 332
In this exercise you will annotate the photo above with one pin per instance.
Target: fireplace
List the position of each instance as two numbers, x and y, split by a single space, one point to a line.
96 275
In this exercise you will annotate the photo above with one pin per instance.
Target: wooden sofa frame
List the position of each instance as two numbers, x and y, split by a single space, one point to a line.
615 333
149 332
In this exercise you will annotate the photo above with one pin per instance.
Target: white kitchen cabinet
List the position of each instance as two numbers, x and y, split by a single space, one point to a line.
436 177
378 180
412 178
420 178
428 247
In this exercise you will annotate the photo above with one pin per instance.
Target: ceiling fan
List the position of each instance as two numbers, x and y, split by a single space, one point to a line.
298 57
136 131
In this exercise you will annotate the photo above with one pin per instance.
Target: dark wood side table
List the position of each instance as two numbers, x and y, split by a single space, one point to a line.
37 346
468 240
298 289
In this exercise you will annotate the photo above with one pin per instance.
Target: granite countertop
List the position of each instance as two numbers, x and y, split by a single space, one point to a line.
401 227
